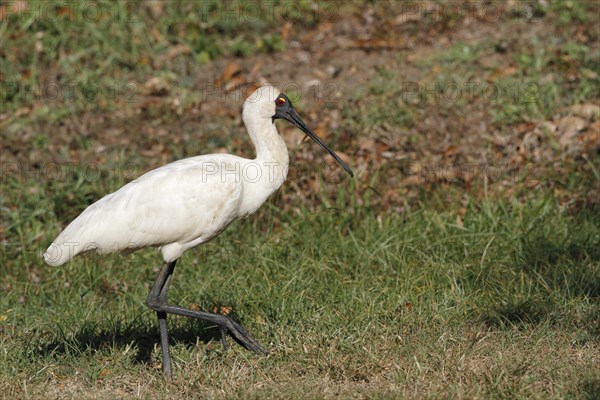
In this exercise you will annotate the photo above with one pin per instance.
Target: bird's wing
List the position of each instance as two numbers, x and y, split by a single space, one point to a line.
183 202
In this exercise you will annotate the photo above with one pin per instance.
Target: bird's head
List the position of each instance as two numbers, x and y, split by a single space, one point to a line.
268 102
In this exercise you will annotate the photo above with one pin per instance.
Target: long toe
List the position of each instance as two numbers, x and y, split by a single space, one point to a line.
243 337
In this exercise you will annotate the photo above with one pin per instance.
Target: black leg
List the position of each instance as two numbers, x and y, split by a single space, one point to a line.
164 344
223 338
158 301
159 294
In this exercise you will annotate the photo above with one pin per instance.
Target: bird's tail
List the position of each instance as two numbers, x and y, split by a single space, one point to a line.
59 253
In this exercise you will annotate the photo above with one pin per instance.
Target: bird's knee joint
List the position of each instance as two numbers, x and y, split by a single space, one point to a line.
154 303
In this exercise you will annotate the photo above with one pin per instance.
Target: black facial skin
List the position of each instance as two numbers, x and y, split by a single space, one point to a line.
285 110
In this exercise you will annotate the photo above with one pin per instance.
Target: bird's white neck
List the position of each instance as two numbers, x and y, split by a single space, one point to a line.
271 151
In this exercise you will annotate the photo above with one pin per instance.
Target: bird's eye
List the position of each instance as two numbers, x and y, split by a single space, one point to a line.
280 101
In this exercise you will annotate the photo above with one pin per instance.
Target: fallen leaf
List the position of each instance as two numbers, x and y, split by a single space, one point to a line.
366 145
590 137
66 12
22 111
321 132
588 111
231 70
376 44
156 86
568 128
525 127
502 72
178 50
403 18
285 30
450 150
223 310
155 7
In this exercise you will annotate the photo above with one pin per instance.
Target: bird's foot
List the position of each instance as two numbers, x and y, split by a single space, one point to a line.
239 334
225 323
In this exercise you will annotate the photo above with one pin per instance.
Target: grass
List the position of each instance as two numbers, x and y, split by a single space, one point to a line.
544 76
370 288
415 303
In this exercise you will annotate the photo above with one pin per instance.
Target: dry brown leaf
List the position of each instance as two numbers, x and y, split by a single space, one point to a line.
547 126
568 128
503 72
231 70
223 310
157 35
403 18
22 111
451 150
156 86
178 50
591 136
376 44
232 77
412 180
366 145
459 220
380 147
588 111
155 7
285 30
525 127
321 132
235 82
64 11
251 88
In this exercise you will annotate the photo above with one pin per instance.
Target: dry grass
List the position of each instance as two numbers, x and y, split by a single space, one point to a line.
421 278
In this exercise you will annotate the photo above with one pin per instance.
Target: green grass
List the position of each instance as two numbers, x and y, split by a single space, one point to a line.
413 303
391 285
102 47
548 72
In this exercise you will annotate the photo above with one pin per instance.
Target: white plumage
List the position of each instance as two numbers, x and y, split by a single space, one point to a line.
187 203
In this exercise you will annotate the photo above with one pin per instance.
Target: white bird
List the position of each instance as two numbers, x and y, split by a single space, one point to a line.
186 203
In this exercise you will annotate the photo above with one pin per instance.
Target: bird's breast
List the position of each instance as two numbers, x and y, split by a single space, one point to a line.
260 180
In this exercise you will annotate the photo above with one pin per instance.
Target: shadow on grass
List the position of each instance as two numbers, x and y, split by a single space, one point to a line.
555 270
568 267
139 335
514 313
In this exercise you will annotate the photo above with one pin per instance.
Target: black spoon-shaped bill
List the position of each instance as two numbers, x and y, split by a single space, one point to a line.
285 110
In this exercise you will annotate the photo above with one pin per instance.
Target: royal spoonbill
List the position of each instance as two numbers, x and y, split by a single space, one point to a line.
186 203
